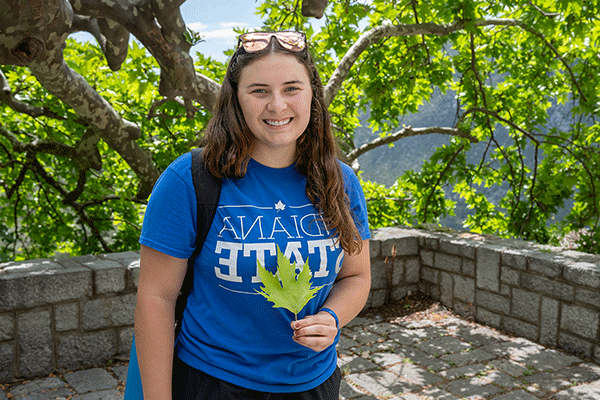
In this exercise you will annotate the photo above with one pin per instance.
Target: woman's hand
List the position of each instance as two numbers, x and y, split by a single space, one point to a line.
317 332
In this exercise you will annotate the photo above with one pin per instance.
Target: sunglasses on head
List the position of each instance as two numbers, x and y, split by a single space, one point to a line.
257 41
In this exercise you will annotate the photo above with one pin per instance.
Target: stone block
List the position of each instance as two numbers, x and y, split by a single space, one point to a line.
42 389
521 328
526 305
446 289
377 298
427 258
468 267
378 275
75 262
584 274
589 297
109 276
7 326
66 317
7 357
549 321
557 290
405 246
545 264
492 301
398 272
464 289
29 266
412 269
574 345
36 352
133 275
462 309
430 275
510 276
124 258
488 269
124 341
488 318
433 291
447 262
374 248
401 292
580 321
108 312
514 258
404 239
91 380
429 243
40 287
78 351
460 247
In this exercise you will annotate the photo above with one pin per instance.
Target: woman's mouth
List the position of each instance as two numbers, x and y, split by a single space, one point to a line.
280 122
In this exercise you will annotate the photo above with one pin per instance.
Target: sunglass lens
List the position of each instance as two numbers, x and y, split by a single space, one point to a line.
291 40
257 41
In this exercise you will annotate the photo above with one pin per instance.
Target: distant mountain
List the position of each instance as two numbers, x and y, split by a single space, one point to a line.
385 164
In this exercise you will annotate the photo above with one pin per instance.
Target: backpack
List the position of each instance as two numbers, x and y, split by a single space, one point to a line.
208 191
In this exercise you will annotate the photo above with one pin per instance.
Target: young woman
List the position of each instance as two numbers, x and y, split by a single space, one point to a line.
283 188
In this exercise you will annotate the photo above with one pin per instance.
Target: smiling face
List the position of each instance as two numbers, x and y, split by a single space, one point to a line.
275 97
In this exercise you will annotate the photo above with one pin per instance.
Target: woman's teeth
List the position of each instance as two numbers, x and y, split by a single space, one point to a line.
278 123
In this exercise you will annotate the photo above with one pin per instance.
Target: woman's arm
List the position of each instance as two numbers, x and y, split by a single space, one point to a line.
161 277
347 298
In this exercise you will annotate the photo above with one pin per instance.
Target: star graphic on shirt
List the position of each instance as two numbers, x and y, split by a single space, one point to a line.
279 206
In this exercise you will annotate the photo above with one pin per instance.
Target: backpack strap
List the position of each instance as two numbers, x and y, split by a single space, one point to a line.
208 192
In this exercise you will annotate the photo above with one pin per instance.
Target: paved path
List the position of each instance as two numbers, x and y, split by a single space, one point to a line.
437 357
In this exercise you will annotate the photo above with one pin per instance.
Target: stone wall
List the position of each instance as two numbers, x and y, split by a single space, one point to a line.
545 294
65 314
72 313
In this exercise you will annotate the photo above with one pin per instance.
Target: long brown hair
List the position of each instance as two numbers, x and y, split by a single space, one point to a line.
228 144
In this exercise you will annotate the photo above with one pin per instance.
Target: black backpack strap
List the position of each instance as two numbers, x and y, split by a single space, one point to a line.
208 191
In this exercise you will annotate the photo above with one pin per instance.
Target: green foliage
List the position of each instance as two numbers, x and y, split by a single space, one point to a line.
192 37
285 288
35 219
522 78
388 206
526 85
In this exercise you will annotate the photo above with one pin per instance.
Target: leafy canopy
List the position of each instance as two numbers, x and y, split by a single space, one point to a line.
517 156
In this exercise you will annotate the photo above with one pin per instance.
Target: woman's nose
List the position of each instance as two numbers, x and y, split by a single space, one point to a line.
277 103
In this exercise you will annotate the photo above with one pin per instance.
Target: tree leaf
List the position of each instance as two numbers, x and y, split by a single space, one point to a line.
284 288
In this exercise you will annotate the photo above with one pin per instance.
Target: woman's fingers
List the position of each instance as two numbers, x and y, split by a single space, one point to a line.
316 332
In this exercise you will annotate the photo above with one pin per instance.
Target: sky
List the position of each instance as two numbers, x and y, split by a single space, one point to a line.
215 20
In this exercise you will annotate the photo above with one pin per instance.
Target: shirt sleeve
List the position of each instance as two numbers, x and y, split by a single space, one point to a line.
358 204
170 220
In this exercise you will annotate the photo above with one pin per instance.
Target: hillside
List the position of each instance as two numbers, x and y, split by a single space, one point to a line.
385 164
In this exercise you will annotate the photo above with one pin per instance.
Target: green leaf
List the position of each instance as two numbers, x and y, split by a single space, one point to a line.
285 288
192 37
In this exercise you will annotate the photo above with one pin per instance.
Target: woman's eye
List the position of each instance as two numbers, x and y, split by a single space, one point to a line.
259 91
292 89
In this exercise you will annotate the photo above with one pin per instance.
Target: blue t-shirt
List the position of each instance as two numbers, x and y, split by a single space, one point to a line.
229 330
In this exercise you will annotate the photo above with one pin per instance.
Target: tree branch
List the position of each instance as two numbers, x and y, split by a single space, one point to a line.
404 133
439 179
7 97
372 36
313 8
498 117
161 31
119 134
